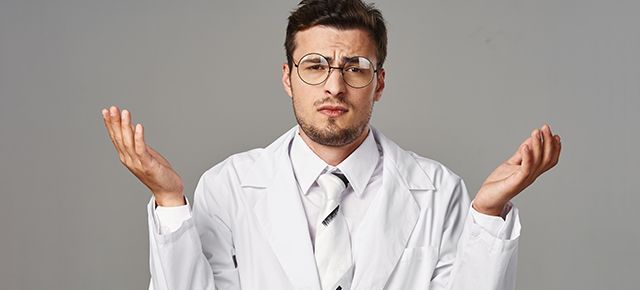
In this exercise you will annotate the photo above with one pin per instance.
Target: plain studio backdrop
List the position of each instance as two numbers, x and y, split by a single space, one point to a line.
467 81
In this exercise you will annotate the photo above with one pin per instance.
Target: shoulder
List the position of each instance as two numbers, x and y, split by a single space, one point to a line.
219 186
233 165
438 172
254 165
450 189
411 164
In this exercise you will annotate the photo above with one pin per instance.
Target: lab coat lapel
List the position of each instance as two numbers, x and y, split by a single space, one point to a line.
390 219
281 214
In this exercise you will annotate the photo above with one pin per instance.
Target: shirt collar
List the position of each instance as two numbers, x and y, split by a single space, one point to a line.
358 167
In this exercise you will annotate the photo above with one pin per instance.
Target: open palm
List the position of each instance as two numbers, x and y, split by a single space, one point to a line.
146 164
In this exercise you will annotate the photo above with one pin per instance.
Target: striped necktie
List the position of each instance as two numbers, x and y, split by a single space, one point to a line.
333 244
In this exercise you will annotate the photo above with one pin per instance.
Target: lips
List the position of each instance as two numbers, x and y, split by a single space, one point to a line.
332 111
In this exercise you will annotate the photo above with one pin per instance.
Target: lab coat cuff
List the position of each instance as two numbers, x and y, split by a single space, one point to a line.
169 219
504 227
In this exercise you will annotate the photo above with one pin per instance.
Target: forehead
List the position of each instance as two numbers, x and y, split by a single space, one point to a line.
335 43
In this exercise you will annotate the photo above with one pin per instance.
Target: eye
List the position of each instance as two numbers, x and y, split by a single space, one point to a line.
316 67
353 69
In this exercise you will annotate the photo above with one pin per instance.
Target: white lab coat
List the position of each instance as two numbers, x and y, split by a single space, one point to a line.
415 235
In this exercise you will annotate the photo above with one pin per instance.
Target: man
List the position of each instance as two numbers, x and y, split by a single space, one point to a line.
332 203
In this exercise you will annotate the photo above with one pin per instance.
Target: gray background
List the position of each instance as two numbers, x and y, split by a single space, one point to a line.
466 82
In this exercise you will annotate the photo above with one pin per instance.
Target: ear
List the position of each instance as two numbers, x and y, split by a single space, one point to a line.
379 84
286 79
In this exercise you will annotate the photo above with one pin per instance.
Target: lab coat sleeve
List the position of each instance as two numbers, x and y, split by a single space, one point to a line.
177 258
476 253
501 227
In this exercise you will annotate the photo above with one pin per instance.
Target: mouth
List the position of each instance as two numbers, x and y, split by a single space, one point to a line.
332 111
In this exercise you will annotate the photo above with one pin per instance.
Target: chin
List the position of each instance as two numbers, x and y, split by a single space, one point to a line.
340 121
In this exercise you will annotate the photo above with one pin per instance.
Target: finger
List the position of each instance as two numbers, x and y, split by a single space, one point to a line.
158 157
108 118
107 123
558 148
517 179
117 132
536 148
527 166
527 142
127 133
520 178
548 147
140 147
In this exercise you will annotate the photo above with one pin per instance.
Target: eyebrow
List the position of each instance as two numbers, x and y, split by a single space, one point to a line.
344 58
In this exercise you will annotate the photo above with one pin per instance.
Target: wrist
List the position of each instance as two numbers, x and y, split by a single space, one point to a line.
493 210
170 200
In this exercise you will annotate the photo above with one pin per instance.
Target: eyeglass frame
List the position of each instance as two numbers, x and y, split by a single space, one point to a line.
334 67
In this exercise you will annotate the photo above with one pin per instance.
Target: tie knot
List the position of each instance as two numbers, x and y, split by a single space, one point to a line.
333 184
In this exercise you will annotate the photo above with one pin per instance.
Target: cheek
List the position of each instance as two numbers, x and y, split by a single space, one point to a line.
363 103
304 96
302 102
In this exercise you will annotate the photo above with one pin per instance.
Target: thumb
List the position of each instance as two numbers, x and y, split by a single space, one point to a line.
516 158
158 157
519 177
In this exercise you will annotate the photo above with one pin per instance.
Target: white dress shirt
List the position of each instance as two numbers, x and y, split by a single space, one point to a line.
363 169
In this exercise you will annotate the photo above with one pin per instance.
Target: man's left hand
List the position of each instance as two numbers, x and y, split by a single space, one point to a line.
537 154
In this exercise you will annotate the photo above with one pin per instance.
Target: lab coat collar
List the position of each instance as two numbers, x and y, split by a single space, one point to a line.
388 223
413 175
389 220
281 214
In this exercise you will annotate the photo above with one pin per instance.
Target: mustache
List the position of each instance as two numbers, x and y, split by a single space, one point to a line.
329 101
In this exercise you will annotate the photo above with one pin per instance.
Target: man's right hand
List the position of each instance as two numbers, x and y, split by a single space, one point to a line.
144 162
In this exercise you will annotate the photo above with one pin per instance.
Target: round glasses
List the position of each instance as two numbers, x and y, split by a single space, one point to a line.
314 69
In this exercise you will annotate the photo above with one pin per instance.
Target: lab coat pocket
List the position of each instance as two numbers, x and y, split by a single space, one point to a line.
415 268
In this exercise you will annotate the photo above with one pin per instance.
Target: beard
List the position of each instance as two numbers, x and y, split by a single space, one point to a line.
331 134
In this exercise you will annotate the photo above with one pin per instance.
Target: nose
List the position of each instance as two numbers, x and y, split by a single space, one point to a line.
334 85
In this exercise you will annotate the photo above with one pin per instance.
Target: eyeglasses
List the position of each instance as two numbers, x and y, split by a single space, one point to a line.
314 69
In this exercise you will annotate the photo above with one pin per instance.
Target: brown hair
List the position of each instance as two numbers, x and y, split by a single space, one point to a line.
341 14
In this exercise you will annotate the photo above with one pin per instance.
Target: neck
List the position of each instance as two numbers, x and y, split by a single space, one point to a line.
333 155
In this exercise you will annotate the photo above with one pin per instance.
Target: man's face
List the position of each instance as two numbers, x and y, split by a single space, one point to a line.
332 113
